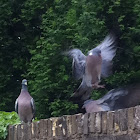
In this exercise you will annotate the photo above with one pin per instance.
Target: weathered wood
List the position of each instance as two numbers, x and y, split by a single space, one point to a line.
49 127
10 132
85 123
98 122
104 122
130 114
137 120
123 120
74 124
113 125
79 123
92 117
110 122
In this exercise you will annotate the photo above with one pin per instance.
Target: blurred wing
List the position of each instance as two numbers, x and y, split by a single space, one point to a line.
108 51
112 97
33 107
78 64
16 105
83 92
106 68
123 97
108 47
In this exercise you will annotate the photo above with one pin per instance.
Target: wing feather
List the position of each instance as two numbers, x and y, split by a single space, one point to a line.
16 105
108 50
78 64
33 107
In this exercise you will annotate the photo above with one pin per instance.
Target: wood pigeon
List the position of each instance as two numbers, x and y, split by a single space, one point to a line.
24 105
90 68
93 106
124 97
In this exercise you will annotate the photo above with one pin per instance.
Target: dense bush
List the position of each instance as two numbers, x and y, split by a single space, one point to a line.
7 118
34 33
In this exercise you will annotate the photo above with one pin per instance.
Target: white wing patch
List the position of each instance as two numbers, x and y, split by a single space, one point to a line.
90 53
16 105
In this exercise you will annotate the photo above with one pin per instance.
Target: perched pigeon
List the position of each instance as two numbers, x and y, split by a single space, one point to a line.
124 97
90 68
24 104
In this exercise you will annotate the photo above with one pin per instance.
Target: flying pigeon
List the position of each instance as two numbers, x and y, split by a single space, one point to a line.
24 105
123 97
98 63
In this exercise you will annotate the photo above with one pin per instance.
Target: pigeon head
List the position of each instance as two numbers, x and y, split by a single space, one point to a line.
24 82
95 52
86 102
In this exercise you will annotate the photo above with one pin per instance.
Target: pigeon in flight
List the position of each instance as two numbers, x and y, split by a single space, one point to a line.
98 63
24 105
119 98
95 106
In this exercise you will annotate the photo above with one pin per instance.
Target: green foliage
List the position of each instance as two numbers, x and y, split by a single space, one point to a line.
7 118
19 31
70 24
49 70
60 107
34 33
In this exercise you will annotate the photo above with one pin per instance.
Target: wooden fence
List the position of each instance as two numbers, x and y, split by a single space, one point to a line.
122 124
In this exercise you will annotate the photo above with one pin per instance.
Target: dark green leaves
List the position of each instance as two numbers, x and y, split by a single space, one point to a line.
7 118
35 33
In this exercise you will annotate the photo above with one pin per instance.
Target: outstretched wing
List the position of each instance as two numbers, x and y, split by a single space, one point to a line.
33 107
115 98
123 97
16 105
108 51
78 64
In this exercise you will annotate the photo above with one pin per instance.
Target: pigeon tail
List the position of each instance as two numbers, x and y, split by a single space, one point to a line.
83 92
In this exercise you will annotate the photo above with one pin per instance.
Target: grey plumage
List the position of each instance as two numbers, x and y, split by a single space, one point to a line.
24 105
90 68
94 106
78 64
124 97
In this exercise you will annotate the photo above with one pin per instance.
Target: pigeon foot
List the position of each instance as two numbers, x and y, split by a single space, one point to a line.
96 86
